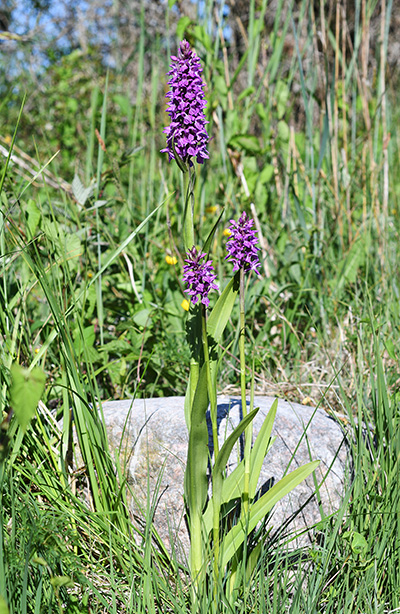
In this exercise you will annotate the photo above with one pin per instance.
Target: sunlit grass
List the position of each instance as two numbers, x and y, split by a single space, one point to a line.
306 143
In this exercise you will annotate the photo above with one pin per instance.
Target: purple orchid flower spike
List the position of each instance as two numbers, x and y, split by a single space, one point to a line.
187 136
242 246
199 276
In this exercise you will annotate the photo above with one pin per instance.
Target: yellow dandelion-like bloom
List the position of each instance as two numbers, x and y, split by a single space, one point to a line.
37 350
185 304
170 259
8 139
211 209
226 232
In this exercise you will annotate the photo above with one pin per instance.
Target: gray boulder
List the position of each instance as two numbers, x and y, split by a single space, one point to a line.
152 440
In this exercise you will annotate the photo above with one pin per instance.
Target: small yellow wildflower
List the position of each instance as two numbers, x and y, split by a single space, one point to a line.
185 304
170 259
226 232
211 209
8 139
37 350
90 274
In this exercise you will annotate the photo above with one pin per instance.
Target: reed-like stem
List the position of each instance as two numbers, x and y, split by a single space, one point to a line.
248 431
188 239
196 552
241 343
188 224
212 395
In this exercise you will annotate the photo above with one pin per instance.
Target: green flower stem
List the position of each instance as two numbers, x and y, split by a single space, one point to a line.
188 239
248 431
241 343
188 225
196 549
194 371
212 395
216 540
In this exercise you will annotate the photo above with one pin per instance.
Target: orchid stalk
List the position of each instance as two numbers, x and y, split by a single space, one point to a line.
187 141
242 250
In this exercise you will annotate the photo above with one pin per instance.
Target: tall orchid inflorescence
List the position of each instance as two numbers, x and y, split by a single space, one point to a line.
199 276
187 135
242 247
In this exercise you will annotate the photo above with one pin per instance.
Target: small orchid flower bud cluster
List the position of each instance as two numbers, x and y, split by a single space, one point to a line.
199 276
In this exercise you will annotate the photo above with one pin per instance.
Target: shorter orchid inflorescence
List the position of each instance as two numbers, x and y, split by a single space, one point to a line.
199 276
242 247
242 250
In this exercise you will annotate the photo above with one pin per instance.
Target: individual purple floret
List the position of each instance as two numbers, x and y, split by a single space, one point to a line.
199 276
242 246
187 134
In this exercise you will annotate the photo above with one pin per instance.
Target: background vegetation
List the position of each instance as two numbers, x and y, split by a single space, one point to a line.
303 111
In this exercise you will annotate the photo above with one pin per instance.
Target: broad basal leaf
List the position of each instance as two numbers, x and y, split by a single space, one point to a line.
26 389
3 606
195 486
234 539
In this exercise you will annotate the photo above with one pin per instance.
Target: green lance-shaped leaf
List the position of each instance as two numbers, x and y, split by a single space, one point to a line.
252 560
236 570
232 486
195 483
218 320
193 332
207 243
225 452
3 606
191 390
222 310
197 458
234 493
260 448
217 477
26 389
234 539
